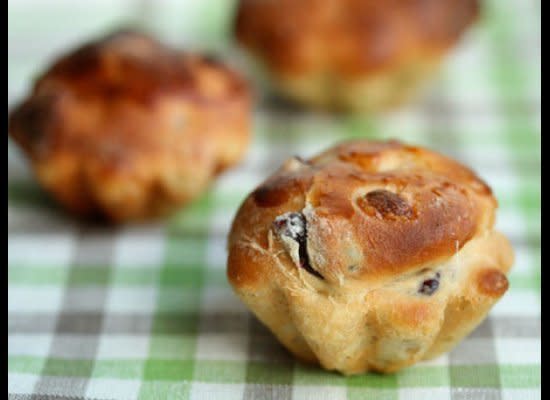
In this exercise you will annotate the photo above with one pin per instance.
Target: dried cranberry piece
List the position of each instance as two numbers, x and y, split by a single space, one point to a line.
388 203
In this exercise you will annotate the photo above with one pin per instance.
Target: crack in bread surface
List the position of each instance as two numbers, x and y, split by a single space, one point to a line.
367 313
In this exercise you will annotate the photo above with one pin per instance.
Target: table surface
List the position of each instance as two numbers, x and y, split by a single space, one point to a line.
145 311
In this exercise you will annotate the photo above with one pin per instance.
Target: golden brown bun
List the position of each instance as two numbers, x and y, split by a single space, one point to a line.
126 128
351 54
369 256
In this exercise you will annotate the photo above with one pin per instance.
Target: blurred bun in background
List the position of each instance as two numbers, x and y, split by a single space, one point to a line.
358 55
126 128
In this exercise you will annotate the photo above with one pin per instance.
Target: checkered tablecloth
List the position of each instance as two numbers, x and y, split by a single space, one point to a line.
145 311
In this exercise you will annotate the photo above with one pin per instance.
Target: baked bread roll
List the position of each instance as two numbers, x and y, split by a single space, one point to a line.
358 55
370 256
126 128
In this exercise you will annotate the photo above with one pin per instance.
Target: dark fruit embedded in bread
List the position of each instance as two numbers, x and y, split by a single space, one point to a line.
370 256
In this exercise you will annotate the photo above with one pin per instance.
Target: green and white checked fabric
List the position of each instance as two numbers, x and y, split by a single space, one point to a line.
145 312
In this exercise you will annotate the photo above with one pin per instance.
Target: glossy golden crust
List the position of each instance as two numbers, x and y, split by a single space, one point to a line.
349 37
358 54
358 257
127 128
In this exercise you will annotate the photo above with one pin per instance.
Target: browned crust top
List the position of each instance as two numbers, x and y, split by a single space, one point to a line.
126 93
404 207
131 66
349 37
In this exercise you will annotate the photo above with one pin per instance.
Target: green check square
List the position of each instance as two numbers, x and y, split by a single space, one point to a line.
373 380
475 376
174 275
361 127
220 371
168 370
32 275
26 364
120 369
186 223
520 376
177 347
62 367
367 393
165 390
423 376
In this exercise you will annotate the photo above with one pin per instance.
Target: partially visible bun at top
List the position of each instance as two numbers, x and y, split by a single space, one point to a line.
360 55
